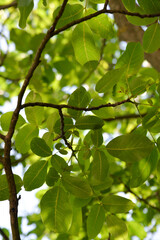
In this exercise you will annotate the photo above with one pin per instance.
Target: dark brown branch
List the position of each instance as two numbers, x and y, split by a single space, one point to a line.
123 12
5 6
3 234
106 4
124 117
2 136
7 162
61 106
142 199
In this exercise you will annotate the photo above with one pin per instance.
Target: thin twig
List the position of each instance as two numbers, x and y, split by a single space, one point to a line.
124 117
106 4
63 132
142 199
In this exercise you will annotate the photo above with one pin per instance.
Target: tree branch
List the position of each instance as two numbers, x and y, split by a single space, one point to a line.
5 6
2 136
61 106
13 201
142 199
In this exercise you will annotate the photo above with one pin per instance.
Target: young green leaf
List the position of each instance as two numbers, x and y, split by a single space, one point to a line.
24 137
25 8
83 43
103 113
108 81
79 98
151 38
130 148
76 221
117 204
97 137
71 13
89 122
40 148
95 220
35 115
99 168
132 58
78 186
117 228
142 169
6 120
52 177
59 163
56 210
35 176
4 190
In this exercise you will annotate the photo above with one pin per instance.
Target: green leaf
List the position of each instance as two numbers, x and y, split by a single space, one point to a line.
68 124
117 228
25 8
70 14
79 98
35 115
4 190
21 39
117 204
48 137
78 186
52 177
130 148
6 120
95 220
76 221
108 81
99 168
83 43
97 137
150 119
89 122
151 38
56 210
150 6
59 163
132 58
142 169
104 185
138 85
40 148
24 137
101 25
35 176
105 112
129 4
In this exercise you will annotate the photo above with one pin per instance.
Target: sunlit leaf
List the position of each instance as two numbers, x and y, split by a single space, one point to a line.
117 228
54 216
25 8
89 122
131 147
117 204
78 186
4 189
6 120
151 38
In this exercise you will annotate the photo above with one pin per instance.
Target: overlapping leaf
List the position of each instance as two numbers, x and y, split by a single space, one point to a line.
95 220
40 148
84 46
56 210
89 122
117 228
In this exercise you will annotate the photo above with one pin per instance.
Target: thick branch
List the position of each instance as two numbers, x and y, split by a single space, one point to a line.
7 162
12 4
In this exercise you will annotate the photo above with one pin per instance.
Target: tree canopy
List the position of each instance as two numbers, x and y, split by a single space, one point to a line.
83 80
